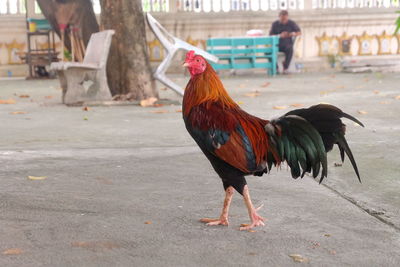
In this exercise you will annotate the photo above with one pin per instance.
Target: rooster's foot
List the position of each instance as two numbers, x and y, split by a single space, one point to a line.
220 221
256 220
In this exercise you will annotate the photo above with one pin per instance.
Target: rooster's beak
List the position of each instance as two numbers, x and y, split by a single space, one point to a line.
185 64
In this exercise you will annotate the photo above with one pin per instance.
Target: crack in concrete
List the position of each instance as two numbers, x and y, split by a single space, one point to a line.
369 211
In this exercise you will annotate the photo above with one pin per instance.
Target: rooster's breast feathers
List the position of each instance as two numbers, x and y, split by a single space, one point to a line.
228 133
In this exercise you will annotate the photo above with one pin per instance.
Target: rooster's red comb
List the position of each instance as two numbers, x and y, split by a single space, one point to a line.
190 55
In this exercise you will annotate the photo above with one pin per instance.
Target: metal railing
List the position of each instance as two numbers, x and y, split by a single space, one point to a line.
12 7
355 3
15 7
237 5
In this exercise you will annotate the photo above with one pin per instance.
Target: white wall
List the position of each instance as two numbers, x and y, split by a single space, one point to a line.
313 22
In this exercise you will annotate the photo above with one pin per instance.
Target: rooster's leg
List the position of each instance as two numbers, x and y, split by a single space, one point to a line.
223 219
256 220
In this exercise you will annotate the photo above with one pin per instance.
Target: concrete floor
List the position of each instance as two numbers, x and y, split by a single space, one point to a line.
112 169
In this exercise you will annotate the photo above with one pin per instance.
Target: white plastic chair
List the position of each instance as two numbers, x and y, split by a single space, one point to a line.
172 45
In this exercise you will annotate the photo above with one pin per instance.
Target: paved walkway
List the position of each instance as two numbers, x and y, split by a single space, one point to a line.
125 185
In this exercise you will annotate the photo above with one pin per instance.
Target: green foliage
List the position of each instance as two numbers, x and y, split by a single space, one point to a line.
157 6
333 59
397 23
67 55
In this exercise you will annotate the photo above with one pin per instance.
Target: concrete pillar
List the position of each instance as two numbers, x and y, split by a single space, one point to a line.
172 6
30 9
308 4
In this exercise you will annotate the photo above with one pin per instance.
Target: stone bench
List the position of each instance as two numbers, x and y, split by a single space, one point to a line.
87 81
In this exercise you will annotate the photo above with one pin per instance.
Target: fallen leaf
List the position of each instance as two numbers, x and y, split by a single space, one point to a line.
280 107
252 254
242 85
240 102
397 97
376 92
12 251
337 164
24 96
148 102
253 94
296 105
7 101
244 224
148 222
159 111
327 235
178 110
298 258
251 231
158 105
85 118
163 88
104 180
86 108
332 252
362 112
17 112
36 178
49 97
265 84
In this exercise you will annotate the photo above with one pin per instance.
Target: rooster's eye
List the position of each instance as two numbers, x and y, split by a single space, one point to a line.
197 60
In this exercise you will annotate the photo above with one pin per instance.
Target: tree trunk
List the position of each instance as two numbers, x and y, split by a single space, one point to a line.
77 12
128 71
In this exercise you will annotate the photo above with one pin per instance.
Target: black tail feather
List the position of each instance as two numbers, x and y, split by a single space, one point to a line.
347 116
341 153
326 120
343 146
299 144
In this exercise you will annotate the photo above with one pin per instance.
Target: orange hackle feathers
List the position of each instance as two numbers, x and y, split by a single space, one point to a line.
206 87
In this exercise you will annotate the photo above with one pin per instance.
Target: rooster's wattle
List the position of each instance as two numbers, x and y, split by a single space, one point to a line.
239 144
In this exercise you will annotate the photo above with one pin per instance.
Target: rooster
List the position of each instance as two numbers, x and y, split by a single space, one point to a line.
238 144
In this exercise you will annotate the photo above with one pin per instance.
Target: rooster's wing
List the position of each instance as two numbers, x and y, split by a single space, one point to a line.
220 132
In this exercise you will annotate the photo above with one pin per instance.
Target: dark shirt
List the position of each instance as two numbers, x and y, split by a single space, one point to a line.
278 28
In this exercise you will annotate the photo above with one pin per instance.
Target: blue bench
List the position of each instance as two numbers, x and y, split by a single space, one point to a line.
245 52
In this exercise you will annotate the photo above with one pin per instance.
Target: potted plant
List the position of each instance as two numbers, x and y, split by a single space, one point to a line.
333 59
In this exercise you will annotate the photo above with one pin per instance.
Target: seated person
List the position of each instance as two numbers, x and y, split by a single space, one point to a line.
286 29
